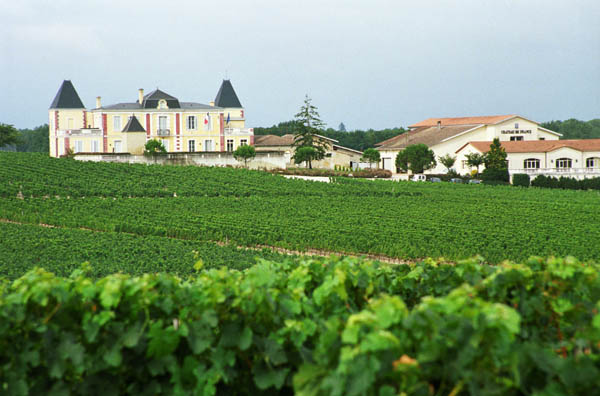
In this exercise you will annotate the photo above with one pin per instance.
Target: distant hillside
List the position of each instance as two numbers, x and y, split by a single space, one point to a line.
575 129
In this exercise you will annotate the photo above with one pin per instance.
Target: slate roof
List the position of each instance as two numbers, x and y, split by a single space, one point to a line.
538 146
226 96
133 125
429 136
137 106
151 100
67 97
463 120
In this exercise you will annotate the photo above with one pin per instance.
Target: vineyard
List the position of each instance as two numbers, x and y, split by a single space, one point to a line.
63 250
248 208
314 327
147 280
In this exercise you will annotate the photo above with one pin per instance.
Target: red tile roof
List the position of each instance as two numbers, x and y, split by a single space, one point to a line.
538 146
463 120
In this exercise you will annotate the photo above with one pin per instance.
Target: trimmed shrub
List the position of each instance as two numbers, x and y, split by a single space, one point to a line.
566 183
521 179
492 174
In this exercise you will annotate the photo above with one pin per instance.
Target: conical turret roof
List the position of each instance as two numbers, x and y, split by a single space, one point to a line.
226 96
67 97
133 125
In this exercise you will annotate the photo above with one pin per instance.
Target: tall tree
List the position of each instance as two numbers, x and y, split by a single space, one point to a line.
417 157
496 157
342 127
8 135
496 168
308 127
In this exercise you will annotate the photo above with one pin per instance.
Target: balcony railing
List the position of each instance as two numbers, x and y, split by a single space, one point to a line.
593 172
80 132
163 132
239 131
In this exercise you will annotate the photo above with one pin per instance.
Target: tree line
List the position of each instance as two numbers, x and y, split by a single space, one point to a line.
30 140
575 129
364 139
36 139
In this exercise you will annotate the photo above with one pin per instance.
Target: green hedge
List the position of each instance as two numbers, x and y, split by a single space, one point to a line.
324 327
521 179
499 175
566 183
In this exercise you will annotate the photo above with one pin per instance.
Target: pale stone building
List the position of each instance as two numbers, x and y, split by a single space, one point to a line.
125 127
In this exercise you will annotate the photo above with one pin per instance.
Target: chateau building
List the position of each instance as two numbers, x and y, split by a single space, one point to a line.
125 127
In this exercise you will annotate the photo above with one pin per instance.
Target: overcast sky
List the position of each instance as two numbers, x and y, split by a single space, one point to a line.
369 64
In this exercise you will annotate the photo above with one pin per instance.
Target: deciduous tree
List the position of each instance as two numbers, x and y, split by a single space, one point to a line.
154 147
8 135
371 155
304 154
448 161
417 157
475 159
244 153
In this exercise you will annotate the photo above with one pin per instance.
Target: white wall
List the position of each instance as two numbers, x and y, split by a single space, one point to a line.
266 160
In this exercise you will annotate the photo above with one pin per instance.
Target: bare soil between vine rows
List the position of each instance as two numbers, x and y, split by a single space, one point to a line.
290 252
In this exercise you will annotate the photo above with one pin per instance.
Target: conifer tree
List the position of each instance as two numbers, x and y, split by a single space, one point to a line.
309 125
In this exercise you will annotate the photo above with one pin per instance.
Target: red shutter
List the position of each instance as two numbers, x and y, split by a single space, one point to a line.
222 132
104 132
148 126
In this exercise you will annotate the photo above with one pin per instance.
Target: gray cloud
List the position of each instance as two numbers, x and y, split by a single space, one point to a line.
367 63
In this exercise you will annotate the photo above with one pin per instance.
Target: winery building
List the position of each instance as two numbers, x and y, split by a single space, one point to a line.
573 158
448 135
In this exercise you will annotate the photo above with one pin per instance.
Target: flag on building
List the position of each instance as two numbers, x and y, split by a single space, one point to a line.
207 122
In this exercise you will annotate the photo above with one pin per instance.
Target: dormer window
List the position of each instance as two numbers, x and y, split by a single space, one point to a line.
162 104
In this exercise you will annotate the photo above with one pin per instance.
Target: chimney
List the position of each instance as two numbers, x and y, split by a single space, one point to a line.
439 124
141 95
98 102
212 103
